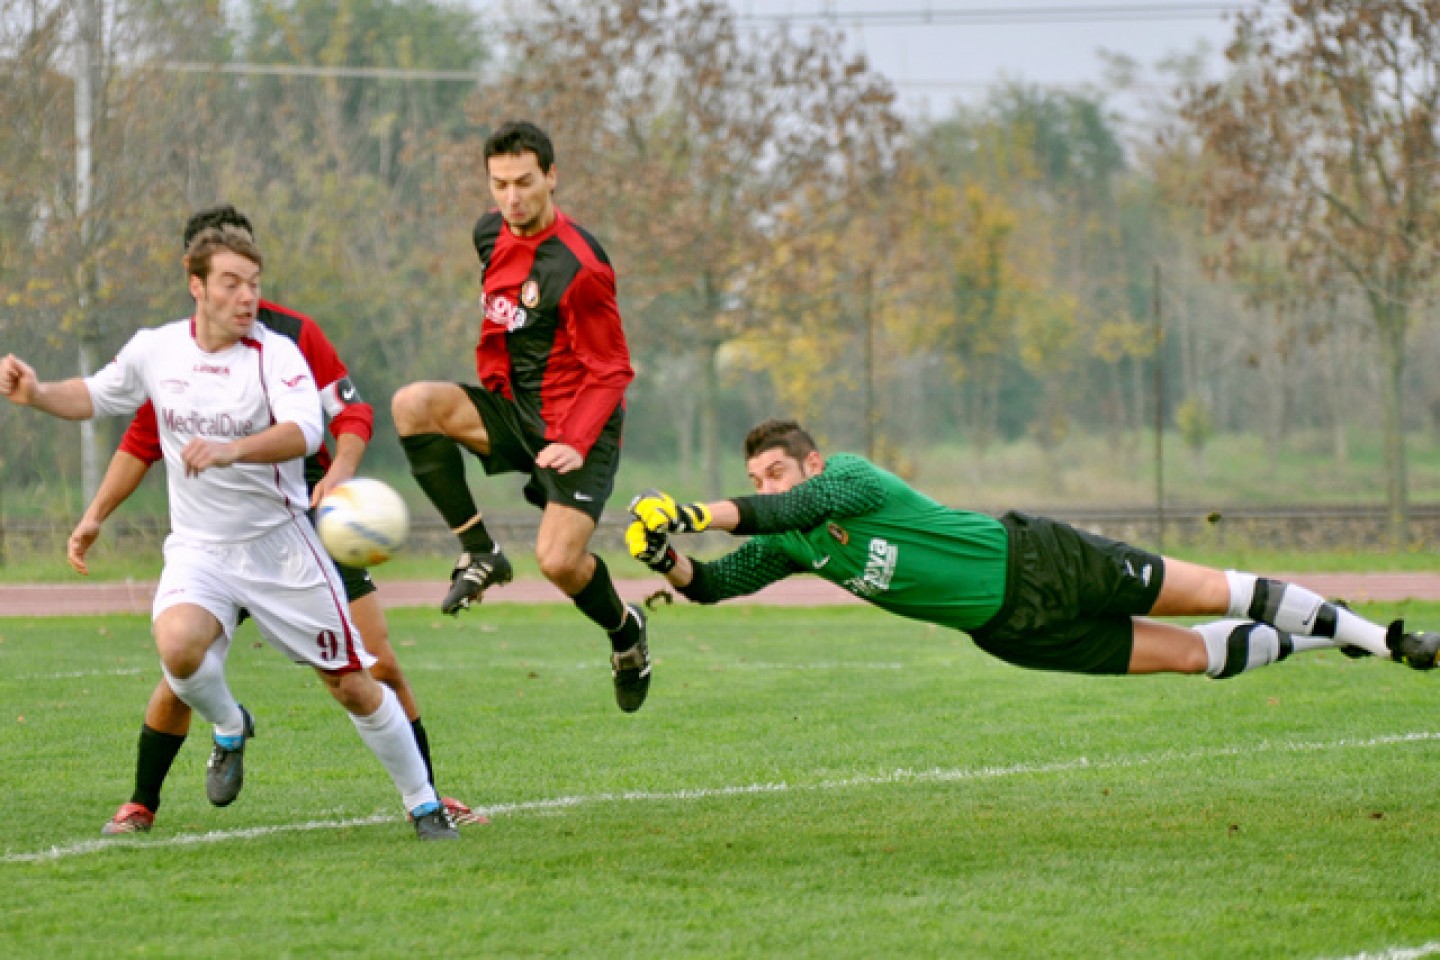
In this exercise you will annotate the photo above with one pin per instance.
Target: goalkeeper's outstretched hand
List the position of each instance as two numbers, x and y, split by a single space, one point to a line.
650 547
661 514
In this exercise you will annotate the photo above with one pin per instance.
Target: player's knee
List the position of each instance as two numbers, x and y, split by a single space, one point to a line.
1193 658
407 407
356 691
386 668
562 568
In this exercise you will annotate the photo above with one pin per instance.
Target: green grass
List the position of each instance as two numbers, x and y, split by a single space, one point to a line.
803 782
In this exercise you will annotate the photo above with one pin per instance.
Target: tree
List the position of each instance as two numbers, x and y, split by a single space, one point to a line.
93 165
1323 142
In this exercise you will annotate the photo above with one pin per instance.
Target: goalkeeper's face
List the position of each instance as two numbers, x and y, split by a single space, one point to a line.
775 471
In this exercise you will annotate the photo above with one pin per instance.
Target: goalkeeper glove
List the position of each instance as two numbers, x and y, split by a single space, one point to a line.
659 512
650 547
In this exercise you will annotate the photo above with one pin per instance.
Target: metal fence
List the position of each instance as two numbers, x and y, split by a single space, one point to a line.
1347 527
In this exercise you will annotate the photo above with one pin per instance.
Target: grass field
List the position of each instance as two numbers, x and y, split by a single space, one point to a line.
803 782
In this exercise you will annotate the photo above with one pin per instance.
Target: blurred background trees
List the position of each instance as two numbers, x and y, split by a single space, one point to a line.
929 291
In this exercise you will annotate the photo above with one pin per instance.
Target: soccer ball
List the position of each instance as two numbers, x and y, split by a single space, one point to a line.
362 522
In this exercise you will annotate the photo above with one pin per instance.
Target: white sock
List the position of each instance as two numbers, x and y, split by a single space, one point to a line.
209 695
1301 612
1235 646
389 736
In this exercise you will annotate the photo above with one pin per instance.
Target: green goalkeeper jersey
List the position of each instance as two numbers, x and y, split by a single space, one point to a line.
873 534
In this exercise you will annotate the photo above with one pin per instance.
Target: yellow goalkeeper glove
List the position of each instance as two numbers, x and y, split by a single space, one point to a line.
660 513
650 547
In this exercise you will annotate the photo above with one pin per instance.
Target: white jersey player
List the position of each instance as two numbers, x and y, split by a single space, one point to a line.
238 411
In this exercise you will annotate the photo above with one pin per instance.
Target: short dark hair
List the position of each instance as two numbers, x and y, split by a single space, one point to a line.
516 137
212 240
222 216
785 435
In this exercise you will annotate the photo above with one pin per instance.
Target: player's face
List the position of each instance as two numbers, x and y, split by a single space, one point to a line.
522 191
775 471
226 301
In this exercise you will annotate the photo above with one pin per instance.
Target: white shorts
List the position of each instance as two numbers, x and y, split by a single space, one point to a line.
287 582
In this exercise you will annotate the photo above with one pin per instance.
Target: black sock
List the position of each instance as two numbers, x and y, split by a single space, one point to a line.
599 601
152 765
437 465
422 740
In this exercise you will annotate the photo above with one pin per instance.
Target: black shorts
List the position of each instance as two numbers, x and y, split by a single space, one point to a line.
1069 598
513 447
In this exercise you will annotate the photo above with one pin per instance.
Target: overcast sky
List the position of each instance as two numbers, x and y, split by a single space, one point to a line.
936 51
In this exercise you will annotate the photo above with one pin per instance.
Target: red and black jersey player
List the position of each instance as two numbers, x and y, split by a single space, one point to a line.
553 367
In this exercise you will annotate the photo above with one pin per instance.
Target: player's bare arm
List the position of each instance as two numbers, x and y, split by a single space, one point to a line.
121 479
349 450
66 399
283 441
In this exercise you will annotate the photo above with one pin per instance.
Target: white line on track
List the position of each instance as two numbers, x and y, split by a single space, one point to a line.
900 776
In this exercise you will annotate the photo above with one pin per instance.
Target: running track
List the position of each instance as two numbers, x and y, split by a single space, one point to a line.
82 598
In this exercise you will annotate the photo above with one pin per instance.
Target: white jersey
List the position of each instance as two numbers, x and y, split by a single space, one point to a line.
235 392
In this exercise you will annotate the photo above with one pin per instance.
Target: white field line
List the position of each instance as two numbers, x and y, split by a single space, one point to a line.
1398 953
78 674
588 666
901 776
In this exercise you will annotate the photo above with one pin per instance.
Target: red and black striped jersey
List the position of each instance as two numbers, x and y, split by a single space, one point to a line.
347 412
550 331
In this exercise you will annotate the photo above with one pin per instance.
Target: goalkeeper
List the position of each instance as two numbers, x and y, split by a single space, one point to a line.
1032 591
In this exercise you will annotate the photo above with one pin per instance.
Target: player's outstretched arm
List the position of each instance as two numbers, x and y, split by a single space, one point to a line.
121 479
658 512
67 399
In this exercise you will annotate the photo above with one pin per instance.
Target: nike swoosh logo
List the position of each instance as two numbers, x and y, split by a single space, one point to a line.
817 564
584 497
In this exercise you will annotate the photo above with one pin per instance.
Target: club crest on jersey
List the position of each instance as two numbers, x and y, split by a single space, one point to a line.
530 293
503 312
838 532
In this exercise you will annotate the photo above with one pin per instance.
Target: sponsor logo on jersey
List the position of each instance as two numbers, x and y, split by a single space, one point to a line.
879 569
503 312
197 424
174 386
838 532
530 293
211 369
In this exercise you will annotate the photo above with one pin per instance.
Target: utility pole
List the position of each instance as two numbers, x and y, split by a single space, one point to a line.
871 415
89 14
1159 418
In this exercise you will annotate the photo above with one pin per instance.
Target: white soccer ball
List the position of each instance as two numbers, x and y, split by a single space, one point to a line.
363 522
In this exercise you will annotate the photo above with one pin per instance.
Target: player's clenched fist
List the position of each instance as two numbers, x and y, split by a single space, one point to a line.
650 547
660 513
17 379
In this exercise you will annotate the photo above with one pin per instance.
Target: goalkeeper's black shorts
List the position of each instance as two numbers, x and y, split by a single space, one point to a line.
513 446
1069 598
